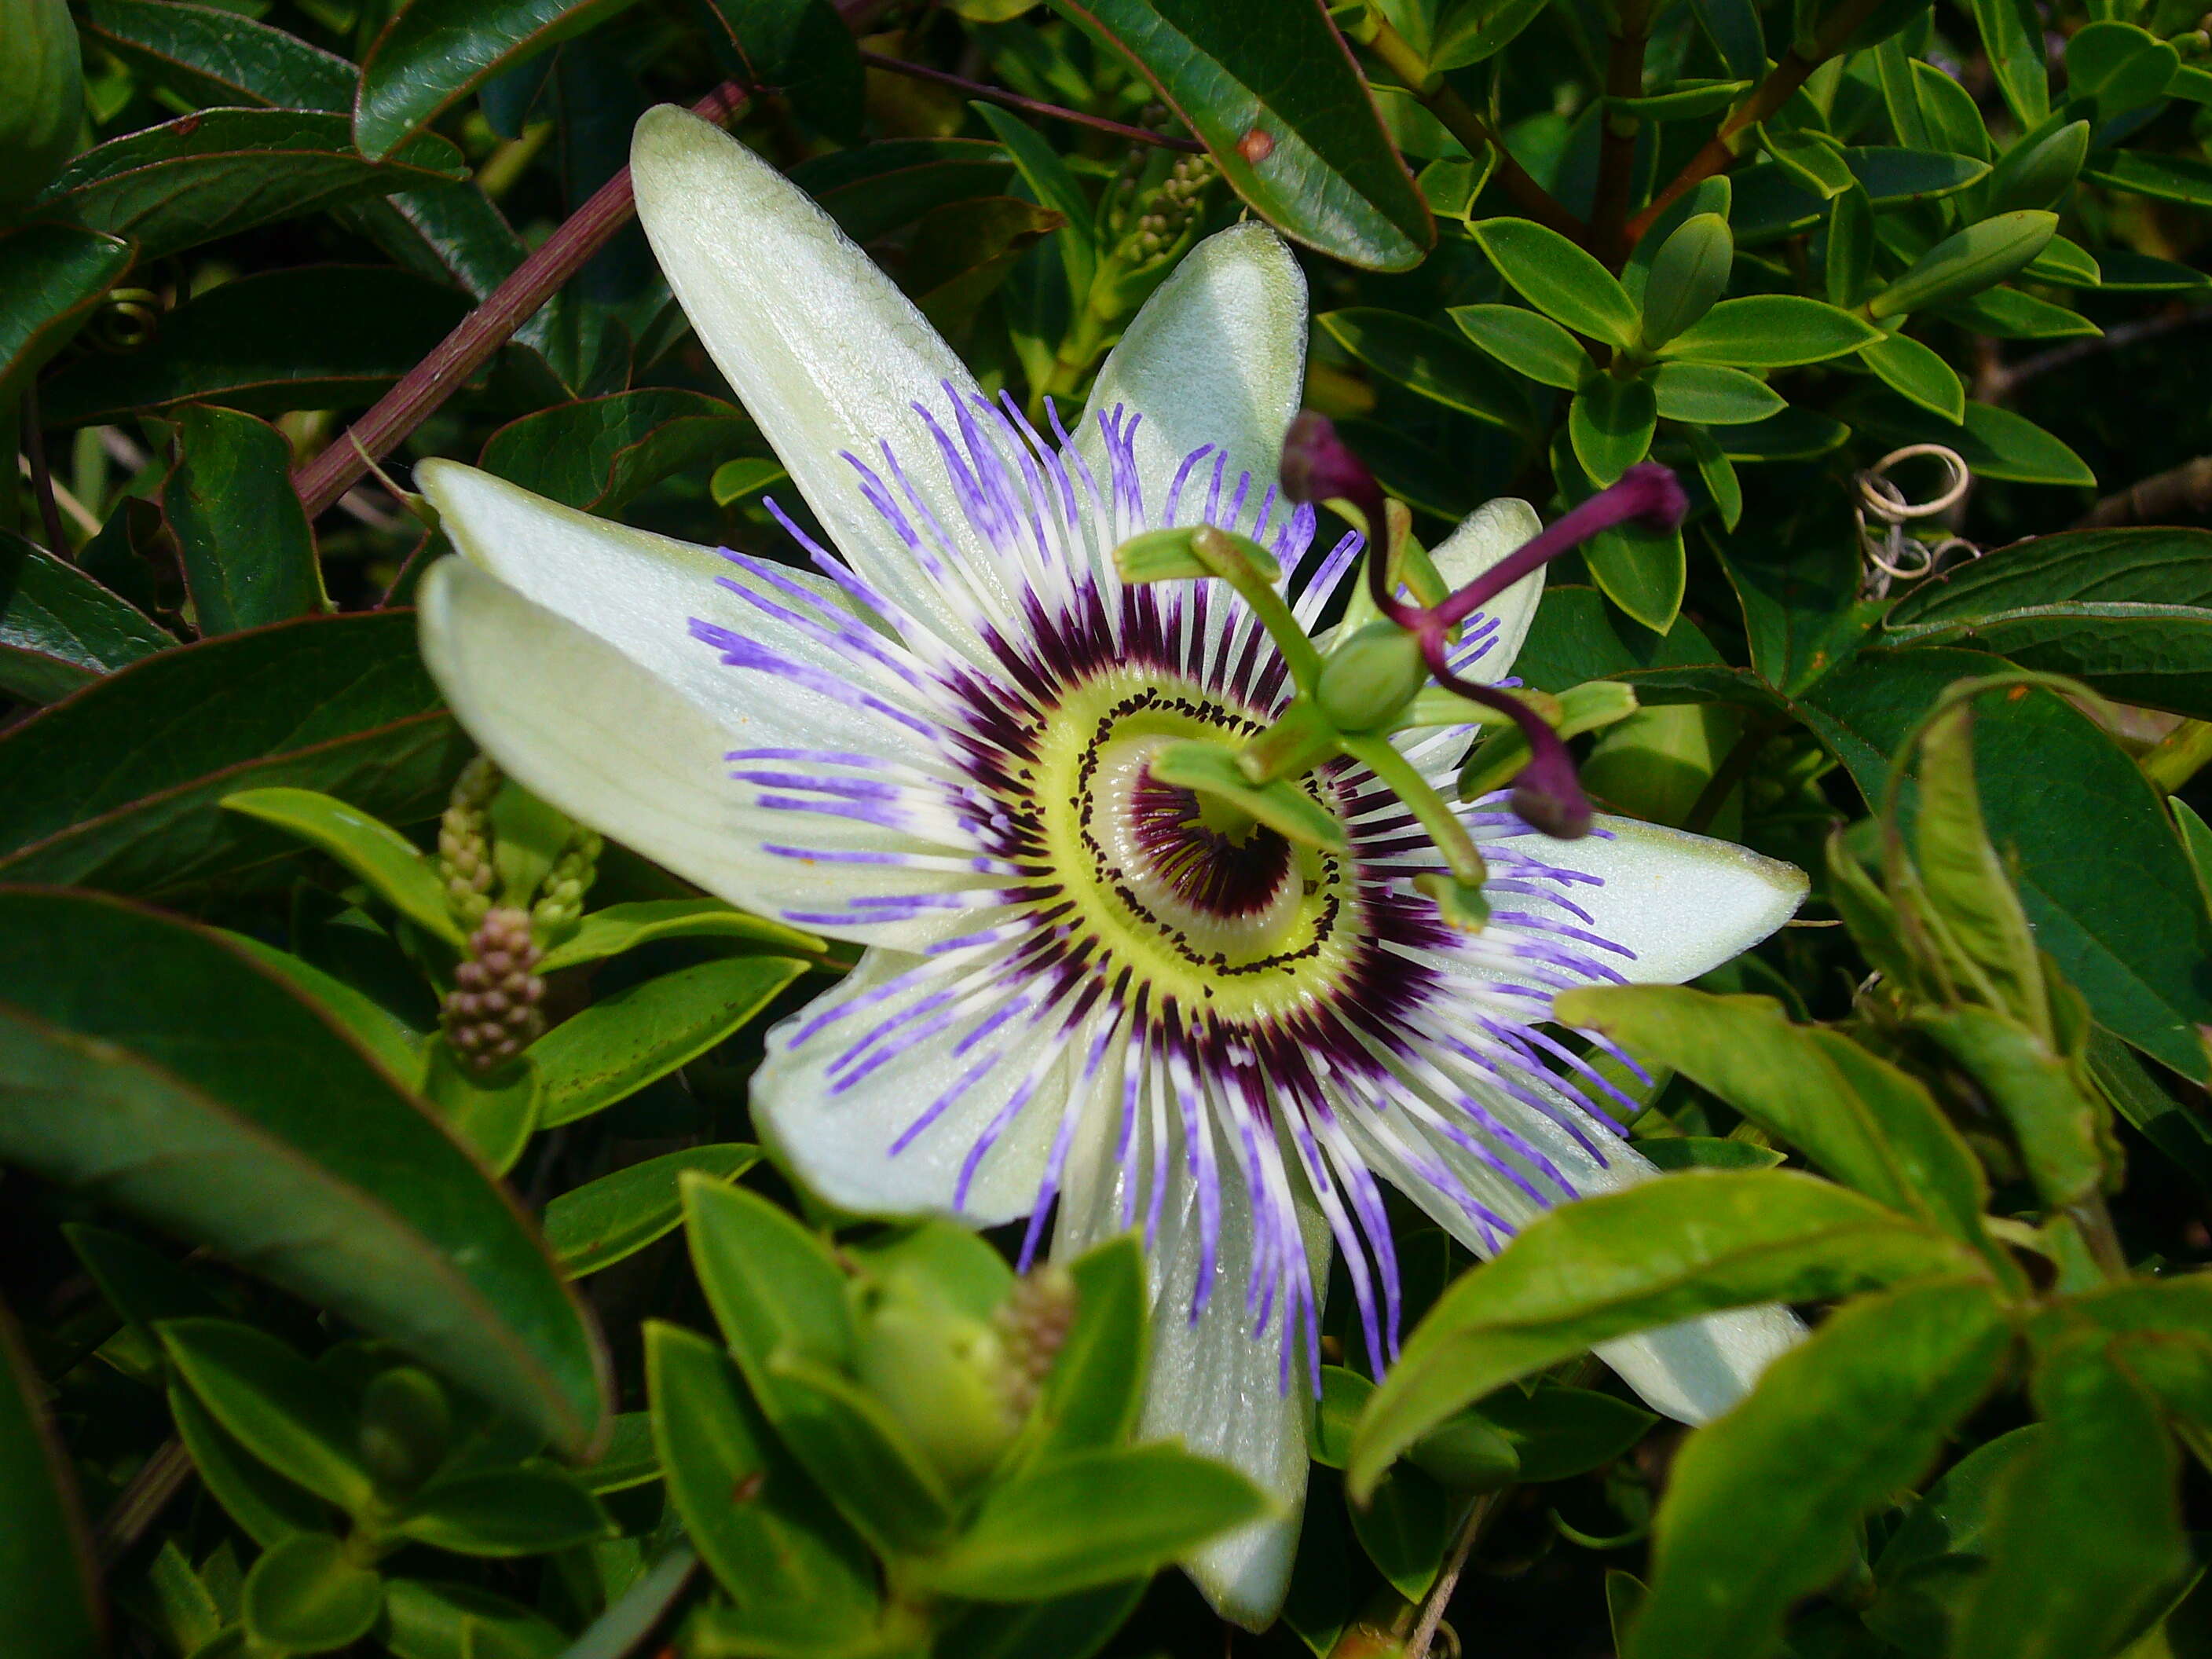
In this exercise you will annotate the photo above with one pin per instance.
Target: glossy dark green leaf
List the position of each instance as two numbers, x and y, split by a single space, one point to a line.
242 535
1578 637
963 252
264 343
118 787
1066 1627
231 1112
1763 1505
622 1042
307 1595
1630 1261
2128 610
1057 189
1559 1432
598 454
1424 359
2105 1463
1933 1558
527 1511
1997 443
2012 34
2045 770
1859 1118
873 190
1091 1520
1322 169
390 1040
434 53
1560 279
60 630
493 1113
758 1522
1405 1526
50 278
773 1285
620 927
1706 1152
805 49
50 1605
1800 592
1643 571
224 171
219 58
601 1222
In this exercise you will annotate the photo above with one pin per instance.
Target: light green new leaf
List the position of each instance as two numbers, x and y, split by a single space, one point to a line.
1770 331
1560 279
1527 342
1626 1262
1763 1505
1705 394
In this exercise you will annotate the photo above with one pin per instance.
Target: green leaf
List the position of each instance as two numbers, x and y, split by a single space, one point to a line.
394 1044
1859 1118
1706 1152
2053 1120
1055 187
1770 331
2114 66
1997 443
493 1113
1705 394
772 1284
1560 279
221 172
2045 770
273 1403
872 1468
873 190
1642 571
1979 257
621 927
601 1222
1763 1505
1610 423
758 1522
391 864
1091 1395
50 278
629 1459
2163 178
527 1511
747 475
263 343
267 1507
118 787
1329 175
1664 1251
1892 176
1090 1520
1847 263
804 48
307 1594
1067 1627
600 455
1424 359
50 1604
248 556
1718 473
1282 806
1576 637
1527 342
1687 275
2066 264
2006 314
213 1102
60 630
220 59
2105 1464
459 1621
2012 34
1937 1550
434 53
1914 371
621 1042
2129 610
1801 610
1559 1432
1406 1526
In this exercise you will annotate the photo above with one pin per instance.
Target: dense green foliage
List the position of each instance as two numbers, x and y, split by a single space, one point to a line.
378 1169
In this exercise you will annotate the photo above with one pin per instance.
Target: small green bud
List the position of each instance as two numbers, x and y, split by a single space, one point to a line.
2039 170
1979 257
1689 274
1369 679
406 1428
1170 556
41 96
943 1374
1459 901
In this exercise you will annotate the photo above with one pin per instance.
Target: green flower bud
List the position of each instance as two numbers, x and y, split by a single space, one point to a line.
406 1428
1979 257
1368 680
41 96
2039 170
944 1375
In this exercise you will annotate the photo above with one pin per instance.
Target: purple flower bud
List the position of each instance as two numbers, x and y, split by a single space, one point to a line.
1319 467
1549 797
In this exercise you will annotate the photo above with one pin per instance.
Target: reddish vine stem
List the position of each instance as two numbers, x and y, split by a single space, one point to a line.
1616 163
42 477
1029 106
425 387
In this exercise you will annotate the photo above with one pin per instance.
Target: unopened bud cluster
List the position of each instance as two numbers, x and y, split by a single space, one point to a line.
492 1015
561 899
465 859
1171 208
1033 1324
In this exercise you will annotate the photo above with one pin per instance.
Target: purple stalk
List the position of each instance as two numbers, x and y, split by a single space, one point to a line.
1646 492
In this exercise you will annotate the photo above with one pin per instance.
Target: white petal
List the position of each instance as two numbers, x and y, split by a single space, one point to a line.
612 745
840 1141
1483 536
1683 903
1217 355
821 346
638 591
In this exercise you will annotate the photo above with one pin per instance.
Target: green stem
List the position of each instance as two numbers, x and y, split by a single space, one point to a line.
1382 757
2179 755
